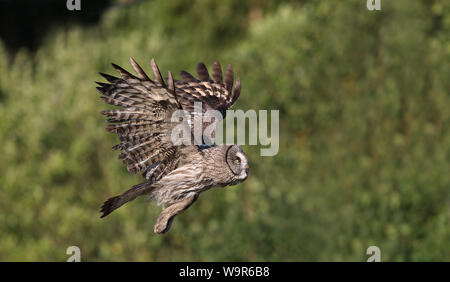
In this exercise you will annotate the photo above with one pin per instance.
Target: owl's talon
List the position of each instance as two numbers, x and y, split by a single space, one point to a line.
160 226
166 217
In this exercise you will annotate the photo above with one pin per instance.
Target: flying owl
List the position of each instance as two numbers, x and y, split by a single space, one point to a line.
175 173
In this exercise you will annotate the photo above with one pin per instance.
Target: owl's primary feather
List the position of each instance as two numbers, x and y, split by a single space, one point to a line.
214 94
175 174
144 124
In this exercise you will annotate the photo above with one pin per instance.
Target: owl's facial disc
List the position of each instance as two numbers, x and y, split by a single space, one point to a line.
244 167
238 162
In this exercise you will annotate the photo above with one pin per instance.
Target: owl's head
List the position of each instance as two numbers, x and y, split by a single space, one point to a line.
237 162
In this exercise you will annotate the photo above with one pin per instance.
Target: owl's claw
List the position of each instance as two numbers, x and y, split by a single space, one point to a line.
164 221
163 224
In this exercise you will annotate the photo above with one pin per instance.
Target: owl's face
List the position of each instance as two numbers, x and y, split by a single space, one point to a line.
238 163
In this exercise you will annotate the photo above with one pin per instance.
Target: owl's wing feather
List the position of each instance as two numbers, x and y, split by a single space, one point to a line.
214 94
144 124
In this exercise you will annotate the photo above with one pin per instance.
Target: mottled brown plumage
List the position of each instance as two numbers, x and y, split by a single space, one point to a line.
213 94
176 174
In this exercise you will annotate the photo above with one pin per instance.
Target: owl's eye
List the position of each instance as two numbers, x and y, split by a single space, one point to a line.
237 161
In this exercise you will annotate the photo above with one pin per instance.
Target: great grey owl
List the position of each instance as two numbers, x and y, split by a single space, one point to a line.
175 174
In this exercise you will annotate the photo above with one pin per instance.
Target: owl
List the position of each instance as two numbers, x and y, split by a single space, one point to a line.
175 174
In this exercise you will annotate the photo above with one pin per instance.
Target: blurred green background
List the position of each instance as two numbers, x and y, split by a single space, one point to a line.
364 153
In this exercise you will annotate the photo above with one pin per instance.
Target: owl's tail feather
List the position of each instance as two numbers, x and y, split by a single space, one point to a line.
116 202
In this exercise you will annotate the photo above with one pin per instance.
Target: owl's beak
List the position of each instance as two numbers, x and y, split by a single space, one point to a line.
247 168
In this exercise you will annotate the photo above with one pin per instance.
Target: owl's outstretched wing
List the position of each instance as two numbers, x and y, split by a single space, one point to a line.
144 124
214 94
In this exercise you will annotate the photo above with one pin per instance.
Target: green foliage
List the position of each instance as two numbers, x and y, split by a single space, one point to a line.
364 134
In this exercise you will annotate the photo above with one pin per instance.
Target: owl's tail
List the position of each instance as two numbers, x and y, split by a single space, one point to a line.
116 202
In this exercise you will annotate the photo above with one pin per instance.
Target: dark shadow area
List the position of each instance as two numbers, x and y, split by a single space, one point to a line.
25 23
2 96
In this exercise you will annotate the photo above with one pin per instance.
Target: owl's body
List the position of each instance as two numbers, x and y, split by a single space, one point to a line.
200 172
175 174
